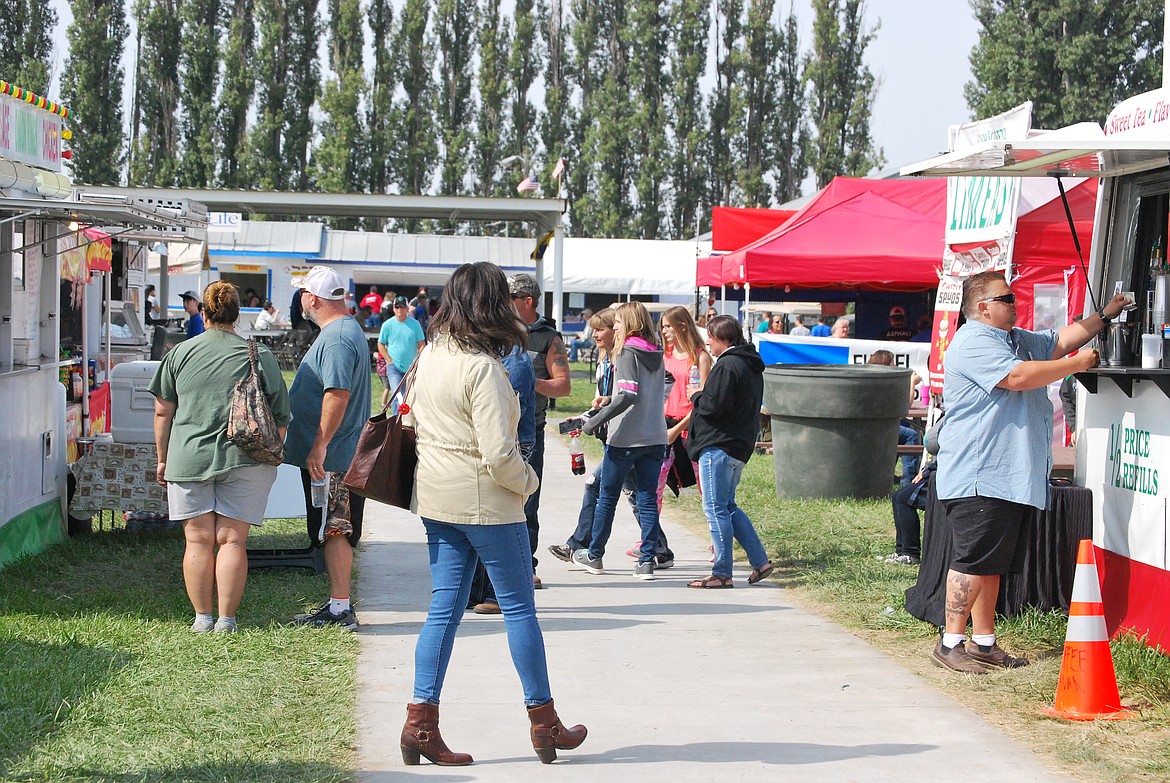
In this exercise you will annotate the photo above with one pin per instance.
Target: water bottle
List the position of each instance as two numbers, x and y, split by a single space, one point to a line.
693 377
576 453
320 491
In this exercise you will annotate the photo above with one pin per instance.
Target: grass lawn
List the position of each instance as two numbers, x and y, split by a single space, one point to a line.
102 680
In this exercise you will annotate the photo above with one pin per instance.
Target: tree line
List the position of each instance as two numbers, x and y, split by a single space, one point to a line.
660 108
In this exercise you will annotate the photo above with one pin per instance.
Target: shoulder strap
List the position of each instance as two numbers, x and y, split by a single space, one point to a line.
406 382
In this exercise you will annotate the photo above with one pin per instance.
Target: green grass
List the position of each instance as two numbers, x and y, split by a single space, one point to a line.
103 681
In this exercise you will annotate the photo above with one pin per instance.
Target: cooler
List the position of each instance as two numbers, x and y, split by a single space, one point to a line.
131 405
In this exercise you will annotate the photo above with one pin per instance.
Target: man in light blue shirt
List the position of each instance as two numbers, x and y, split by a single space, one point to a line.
399 341
995 454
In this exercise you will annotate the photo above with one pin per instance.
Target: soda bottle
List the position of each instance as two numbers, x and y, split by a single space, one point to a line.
576 453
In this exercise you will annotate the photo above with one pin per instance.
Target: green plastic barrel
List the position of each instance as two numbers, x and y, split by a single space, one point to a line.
835 427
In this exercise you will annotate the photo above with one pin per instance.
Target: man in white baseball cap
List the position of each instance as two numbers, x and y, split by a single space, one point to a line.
322 282
330 399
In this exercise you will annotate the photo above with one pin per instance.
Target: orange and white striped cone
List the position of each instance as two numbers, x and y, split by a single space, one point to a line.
1087 689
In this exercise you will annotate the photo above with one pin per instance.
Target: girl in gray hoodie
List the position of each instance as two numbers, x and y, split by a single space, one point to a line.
637 437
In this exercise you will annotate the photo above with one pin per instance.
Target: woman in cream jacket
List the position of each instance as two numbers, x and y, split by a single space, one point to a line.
470 487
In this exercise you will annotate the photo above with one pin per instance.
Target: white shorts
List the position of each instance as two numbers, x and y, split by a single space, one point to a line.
241 493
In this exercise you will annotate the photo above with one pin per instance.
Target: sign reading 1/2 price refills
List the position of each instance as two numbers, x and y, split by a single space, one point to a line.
1131 464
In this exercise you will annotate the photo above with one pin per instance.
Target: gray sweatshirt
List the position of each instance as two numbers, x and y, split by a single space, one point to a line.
635 410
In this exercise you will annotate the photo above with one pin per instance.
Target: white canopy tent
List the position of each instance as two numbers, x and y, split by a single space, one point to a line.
630 266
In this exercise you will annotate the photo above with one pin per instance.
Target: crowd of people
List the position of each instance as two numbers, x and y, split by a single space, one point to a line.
675 407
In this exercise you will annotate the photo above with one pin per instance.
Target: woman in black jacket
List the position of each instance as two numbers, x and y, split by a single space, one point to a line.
722 439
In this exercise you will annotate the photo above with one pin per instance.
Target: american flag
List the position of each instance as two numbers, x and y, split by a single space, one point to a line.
528 183
558 169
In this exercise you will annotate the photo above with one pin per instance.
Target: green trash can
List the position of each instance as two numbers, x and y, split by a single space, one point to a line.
835 427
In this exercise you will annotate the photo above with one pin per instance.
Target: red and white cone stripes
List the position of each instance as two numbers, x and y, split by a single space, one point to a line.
1087 688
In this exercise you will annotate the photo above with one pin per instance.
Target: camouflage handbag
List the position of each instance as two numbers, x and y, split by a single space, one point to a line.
251 425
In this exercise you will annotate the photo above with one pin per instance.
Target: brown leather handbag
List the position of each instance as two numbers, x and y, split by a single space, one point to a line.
251 425
384 462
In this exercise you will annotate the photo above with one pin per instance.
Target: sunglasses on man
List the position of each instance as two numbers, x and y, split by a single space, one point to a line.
1005 298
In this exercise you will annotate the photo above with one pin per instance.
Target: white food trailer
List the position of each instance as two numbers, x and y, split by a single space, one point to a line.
1123 424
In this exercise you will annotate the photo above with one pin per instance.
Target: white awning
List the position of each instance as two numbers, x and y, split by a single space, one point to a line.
183 258
1048 155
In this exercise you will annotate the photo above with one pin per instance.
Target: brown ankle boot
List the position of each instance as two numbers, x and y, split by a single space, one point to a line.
420 737
549 734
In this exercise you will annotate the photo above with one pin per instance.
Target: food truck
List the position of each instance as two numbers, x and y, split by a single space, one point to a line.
62 315
1123 426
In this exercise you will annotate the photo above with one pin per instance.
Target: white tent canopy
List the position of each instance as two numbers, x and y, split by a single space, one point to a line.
630 266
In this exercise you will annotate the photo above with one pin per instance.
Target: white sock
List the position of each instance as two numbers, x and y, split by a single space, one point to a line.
206 618
983 639
338 605
952 639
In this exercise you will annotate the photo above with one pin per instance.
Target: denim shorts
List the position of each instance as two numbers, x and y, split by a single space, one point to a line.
241 493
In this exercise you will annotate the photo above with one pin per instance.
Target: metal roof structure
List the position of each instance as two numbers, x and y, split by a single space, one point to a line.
544 213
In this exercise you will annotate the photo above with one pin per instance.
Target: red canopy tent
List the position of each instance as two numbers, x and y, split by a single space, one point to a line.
888 235
856 234
734 227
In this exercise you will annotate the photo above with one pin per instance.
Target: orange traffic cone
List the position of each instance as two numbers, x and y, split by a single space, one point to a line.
1087 689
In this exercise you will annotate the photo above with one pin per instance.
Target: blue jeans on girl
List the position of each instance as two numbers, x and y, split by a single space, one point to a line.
719 474
454 551
645 462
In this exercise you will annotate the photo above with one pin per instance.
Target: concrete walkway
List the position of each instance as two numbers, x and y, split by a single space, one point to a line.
674 684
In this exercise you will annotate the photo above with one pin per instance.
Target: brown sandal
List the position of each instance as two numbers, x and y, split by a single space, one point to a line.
761 573
712 582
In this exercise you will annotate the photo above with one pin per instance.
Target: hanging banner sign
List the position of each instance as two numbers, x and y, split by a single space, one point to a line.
29 134
981 221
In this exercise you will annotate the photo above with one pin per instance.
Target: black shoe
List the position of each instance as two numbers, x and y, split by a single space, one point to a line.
561 552
663 561
323 617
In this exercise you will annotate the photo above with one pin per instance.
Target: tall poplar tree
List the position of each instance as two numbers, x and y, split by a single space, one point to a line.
154 158
790 131
26 43
843 91
648 34
609 138
725 101
492 43
92 86
200 58
304 85
688 173
414 113
267 166
752 145
584 71
455 25
523 68
557 116
239 82
380 109
1074 59
339 161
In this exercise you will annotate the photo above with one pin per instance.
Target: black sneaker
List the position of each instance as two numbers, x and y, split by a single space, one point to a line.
663 561
323 617
561 552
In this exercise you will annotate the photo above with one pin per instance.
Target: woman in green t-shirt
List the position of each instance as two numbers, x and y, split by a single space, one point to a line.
215 488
